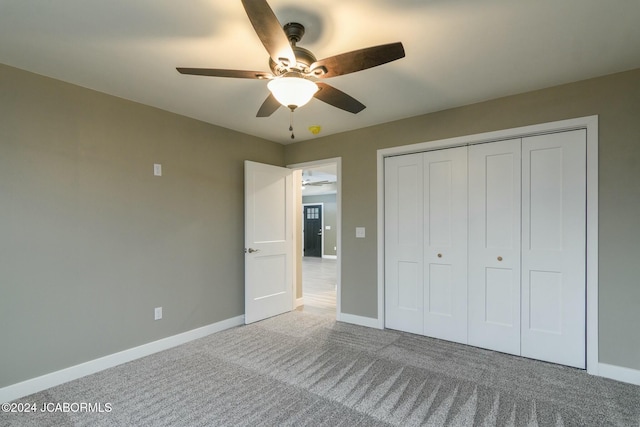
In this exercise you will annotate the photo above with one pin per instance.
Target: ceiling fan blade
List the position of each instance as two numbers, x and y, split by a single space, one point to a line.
338 99
269 31
268 107
358 60
214 72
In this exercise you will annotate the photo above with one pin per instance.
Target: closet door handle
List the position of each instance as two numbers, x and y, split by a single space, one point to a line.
499 258
439 255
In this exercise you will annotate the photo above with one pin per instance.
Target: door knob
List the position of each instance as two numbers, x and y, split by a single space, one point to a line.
499 258
251 250
439 255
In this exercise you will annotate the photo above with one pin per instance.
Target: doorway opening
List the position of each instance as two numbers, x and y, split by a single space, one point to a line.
318 238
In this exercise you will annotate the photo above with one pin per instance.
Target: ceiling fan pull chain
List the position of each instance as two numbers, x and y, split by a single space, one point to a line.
291 124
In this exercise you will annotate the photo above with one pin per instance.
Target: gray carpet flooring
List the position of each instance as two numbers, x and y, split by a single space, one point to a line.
305 369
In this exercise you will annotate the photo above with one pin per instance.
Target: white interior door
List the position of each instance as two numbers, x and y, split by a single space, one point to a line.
404 243
494 245
269 208
554 247
445 244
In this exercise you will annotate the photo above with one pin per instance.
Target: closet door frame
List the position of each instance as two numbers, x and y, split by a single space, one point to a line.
590 124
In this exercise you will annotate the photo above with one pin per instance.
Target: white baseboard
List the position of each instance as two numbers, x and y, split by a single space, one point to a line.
34 385
330 256
619 373
369 322
299 302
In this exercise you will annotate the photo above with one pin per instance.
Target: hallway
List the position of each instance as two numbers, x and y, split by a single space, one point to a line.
319 285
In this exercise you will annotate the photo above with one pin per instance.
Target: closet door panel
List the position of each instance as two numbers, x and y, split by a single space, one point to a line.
499 306
404 243
494 246
445 244
553 247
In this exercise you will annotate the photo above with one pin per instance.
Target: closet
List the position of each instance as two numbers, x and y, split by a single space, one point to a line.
485 245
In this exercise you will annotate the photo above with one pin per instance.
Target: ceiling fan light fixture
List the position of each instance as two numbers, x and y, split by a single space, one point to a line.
292 91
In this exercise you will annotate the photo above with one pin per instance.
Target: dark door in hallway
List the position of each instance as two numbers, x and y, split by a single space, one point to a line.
312 215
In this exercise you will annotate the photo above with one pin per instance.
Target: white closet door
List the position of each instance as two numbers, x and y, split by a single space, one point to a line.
445 244
494 246
553 247
404 243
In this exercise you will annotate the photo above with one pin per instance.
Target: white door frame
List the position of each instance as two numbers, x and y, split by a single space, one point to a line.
590 123
338 162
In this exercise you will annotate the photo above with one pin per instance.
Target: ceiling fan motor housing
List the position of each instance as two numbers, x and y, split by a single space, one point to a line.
304 60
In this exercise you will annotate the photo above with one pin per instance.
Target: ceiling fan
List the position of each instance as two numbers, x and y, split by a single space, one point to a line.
295 71
316 183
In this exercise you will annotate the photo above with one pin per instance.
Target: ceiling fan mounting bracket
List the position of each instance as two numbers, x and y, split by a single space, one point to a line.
294 32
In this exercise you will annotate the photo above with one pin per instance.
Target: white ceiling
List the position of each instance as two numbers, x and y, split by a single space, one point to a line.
325 175
457 52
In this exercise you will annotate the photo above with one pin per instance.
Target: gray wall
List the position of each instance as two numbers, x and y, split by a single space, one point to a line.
330 219
615 98
91 241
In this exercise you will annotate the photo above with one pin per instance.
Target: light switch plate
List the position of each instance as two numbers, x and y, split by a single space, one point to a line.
157 169
360 232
